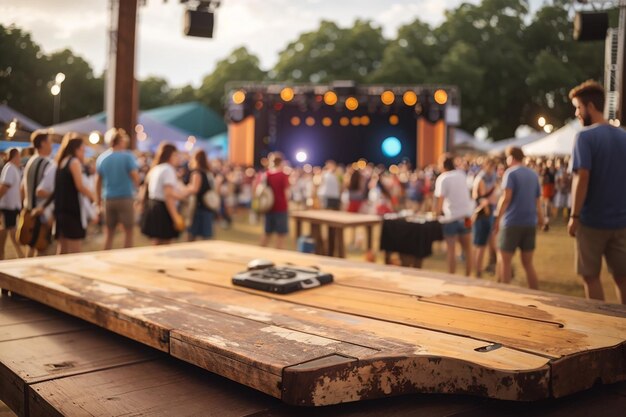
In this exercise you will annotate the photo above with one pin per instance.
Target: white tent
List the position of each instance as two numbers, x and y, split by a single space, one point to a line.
560 142
465 140
501 145
7 114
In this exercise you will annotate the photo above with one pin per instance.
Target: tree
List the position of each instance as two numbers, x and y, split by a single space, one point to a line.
154 92
559 63
240 65
26 75
461 66
332 53
399 67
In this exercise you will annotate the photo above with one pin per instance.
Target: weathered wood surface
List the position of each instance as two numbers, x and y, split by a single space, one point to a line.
108 376
377 331
336 218
39 344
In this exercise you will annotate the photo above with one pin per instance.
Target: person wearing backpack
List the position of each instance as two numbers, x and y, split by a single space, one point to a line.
276 219
38 180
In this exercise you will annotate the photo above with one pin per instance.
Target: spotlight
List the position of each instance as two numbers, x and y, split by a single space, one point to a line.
352 103
541 121
239 97
441 97
295 121
327 121
394 120
344 121
94 138
409 98
356 121
365 120
330 98
391 146
310 121
387 97
286 94
301 156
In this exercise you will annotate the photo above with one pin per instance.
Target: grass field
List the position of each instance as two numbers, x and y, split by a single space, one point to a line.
554 257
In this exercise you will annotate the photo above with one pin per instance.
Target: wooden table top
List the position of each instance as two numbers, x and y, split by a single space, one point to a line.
336 218
377 331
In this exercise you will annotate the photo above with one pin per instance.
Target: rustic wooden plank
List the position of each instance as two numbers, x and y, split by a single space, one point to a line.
265 308
212 330
40 328
27 361
157 388
323 384
551 332
12 391
541 333
293 317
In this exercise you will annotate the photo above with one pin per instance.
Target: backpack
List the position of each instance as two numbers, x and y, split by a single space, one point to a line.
263 197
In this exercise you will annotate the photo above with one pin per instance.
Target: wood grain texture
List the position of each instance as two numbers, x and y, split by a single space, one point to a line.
396 330
157 388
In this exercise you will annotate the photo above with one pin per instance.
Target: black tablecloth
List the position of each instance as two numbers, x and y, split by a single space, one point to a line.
411 238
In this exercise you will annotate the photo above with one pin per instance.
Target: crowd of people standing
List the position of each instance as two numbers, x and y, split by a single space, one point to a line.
491 206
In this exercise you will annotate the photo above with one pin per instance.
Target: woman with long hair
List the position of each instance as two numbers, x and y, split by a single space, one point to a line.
161 221
68 185
10 200
200 182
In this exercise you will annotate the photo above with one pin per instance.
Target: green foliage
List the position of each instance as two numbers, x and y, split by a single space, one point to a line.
154 92
510 66
26 75
332 53
240 65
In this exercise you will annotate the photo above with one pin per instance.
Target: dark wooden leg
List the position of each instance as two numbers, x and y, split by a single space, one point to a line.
341 249
332 231
4 291
369 237
298 228
418 262
316 232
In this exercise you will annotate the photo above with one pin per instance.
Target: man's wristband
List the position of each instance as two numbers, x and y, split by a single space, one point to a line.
574 216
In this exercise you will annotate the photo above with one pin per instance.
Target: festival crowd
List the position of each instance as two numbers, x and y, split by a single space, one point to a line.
491 206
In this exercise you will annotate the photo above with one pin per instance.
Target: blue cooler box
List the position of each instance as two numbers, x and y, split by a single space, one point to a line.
306 244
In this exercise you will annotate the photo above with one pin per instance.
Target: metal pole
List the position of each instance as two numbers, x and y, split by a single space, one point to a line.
56 109
621 61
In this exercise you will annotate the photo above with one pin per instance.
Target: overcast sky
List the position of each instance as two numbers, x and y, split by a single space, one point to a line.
263 26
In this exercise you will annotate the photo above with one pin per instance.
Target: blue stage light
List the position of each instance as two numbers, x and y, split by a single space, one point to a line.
391 146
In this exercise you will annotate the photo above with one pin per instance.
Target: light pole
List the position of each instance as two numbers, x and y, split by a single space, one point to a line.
55 90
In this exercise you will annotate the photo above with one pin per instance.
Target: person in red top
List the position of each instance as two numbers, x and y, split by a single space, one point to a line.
276 220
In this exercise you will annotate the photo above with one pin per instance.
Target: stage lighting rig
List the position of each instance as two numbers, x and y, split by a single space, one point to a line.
200 17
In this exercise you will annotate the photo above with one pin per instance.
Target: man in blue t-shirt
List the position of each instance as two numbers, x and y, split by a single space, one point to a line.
519 213
116 183
598 219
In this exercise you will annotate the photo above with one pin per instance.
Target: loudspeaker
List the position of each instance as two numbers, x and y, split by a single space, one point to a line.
590 26
198 23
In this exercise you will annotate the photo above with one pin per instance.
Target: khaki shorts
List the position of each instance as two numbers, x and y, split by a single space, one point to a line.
592 244
119 210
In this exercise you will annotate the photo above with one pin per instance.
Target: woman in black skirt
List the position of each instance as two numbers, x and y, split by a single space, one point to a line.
67 186
161 221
